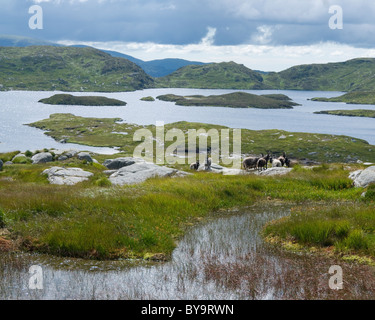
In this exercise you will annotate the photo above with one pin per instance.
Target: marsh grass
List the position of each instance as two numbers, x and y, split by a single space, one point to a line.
98 221
348 228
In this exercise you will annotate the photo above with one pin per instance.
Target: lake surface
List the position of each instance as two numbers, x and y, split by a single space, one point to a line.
18 108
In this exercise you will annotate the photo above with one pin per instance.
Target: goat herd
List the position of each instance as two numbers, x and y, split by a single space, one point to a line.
259 163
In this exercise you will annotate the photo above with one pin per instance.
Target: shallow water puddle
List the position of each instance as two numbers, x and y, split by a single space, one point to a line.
224 258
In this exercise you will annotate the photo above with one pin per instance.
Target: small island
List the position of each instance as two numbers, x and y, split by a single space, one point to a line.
350 113
68 99
233 100
151 99
351 98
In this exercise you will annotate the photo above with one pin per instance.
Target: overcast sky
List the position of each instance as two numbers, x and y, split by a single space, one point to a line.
262 34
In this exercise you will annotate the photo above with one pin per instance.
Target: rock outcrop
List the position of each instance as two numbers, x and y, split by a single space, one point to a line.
116 164
84 156
43 157
140 172
363 178
66 176
277 171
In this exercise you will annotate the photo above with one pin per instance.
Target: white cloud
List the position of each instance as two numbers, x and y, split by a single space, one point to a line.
259 57
209 39
263 35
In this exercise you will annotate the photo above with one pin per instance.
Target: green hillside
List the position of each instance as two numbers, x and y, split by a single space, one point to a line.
233 100
352 98
352 75
225 75
68 69
350 113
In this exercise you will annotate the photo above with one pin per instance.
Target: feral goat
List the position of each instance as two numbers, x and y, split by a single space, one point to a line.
275 163
263 163
250 162
195 166
282 159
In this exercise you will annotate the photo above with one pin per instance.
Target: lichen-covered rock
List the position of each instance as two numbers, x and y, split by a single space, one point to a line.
43 157
84 156
66 176
116 164
277 171
140 172
363 178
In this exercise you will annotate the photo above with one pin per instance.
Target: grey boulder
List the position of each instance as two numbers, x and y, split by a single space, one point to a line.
363 178
140 172
116 164
43 157
66 176
277 171
84 156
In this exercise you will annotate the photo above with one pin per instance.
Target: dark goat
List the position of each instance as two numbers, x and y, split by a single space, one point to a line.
263 162
250 162
282 159
195 166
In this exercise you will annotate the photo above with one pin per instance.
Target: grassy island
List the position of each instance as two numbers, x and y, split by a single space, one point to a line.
350 113
232 100
365 97
104 132
68 99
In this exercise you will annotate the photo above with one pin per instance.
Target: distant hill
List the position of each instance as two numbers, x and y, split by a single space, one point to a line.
68 69
18 41
225 75
154 68
353 75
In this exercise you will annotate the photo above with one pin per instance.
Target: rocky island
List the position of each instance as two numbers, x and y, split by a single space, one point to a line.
232 100
68 99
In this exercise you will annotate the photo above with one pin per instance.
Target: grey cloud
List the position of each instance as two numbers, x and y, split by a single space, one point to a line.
282 22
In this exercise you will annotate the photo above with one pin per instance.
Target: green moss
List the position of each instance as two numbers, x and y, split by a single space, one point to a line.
8 156
22 160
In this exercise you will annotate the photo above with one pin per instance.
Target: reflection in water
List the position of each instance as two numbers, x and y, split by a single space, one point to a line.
224 258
